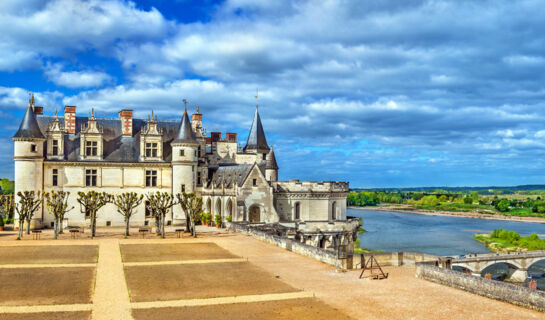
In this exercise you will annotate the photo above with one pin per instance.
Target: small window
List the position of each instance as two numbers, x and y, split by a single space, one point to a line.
198 177
182 153
33 148
91 177
169 223
146 223
148 211
55 144
195 153
254 182
264 156
151 178
297 211
55 175
151 149
108 223
199 151
183 188
91 148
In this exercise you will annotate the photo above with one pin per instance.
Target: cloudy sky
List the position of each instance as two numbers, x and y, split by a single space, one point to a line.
378 93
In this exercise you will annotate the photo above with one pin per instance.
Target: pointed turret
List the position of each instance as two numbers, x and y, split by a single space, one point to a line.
256 138
29 126
271 161
185 133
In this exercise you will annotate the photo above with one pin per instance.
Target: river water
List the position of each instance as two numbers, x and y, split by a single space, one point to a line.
439 235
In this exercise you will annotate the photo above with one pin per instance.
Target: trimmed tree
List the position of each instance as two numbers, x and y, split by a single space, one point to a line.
126 203
28 204
57 205
6 206
192 206
160 203
90 202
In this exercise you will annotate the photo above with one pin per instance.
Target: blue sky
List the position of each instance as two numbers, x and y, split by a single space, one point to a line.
378 93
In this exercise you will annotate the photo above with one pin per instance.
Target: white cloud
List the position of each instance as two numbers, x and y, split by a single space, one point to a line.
75 79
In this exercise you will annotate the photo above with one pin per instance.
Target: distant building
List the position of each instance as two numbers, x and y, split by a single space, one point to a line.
76 153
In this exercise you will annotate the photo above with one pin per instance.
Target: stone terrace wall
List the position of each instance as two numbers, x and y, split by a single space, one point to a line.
396 258
319 254
518 295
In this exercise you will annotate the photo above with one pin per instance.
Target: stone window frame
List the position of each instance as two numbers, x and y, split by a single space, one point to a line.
34 148
89 174
151 177
55 147
151 149
297 211
91 148
55 177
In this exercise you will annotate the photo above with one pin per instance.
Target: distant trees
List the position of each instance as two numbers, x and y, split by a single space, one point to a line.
57 205
90 202
28 204
126 204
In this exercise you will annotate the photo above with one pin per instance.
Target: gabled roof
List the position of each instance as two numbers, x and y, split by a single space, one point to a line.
256 138
185 133
29 127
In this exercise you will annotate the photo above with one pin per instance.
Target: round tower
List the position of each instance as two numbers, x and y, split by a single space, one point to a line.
271 167
28 157
184 165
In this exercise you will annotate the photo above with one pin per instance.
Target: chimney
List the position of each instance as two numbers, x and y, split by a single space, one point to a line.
126 122
231 137
70 119
38 110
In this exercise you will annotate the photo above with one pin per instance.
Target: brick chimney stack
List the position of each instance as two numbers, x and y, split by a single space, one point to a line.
70 119
126 122
38 110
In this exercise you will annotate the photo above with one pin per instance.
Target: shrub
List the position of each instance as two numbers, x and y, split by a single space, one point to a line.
229 219
503 205
217 219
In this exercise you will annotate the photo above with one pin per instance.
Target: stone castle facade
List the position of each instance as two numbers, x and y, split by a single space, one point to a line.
115 155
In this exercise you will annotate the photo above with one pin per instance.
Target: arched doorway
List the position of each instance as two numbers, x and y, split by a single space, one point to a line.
230 208
334 210
297 211
218 207
255 214
208 205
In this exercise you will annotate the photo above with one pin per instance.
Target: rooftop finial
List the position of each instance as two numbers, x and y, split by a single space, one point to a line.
185 106
151 114
55 112
31 99
197 108
256 96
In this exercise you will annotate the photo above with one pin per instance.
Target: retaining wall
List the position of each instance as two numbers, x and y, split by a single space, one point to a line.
521 296
316 253
396 258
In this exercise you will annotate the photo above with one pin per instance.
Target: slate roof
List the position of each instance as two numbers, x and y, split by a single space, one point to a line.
271 160
231 174
116 147
256 138
29 127
185 133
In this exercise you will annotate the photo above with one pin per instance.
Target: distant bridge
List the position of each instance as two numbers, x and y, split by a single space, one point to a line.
518 262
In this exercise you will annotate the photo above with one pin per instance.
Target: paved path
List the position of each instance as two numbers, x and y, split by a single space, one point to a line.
111 298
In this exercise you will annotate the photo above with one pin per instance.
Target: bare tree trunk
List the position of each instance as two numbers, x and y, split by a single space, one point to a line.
21 224
187 222
127 227
56 227
28 226
60 225
93 224
157 225
193 231
163 226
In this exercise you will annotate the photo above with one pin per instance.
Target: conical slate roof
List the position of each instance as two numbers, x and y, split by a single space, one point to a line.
185 133
271 161
256 138
29 126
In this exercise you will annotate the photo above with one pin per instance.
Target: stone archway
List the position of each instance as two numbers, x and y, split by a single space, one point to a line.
209 205
229 207
217 209
255 214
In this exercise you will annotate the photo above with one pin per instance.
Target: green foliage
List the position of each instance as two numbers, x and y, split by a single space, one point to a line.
192 207
8 186
229 219
468 200
511 240
503 205
217 220
126 203
206 217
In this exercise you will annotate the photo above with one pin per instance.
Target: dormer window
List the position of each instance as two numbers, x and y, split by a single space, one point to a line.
55 150
91 148
151 150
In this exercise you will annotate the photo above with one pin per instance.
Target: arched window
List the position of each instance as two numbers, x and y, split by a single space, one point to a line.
297 213
334 211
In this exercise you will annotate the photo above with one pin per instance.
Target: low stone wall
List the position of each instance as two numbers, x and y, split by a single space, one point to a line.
396 258
498 290
316 253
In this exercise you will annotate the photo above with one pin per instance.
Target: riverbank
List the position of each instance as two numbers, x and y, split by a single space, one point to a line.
474 215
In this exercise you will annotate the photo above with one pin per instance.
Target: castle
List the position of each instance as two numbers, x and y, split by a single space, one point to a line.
115 155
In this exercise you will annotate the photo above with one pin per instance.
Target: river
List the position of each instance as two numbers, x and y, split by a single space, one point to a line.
439 235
